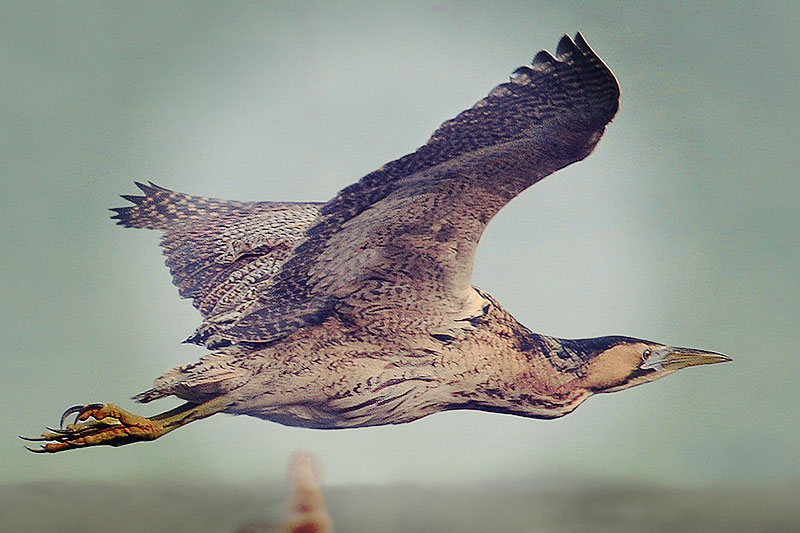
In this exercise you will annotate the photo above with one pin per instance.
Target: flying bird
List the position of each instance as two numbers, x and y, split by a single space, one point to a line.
360 311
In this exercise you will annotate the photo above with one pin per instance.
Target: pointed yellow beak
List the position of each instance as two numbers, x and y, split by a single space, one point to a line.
672 358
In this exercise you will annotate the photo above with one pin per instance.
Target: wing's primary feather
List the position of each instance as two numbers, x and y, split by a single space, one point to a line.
394 251
219 252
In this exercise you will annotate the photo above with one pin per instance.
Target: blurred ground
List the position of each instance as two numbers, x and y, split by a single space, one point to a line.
402 508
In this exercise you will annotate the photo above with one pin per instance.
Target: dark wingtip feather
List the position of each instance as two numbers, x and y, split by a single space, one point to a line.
124 216
581 43
544 60
121 215
566 48
524 69
150 188
522 74
132 216
133 199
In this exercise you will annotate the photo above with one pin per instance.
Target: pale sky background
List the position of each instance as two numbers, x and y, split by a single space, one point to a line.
683 227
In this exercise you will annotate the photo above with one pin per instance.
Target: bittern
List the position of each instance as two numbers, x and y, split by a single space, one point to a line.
360 311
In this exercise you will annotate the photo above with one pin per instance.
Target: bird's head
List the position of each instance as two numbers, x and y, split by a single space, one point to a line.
625 362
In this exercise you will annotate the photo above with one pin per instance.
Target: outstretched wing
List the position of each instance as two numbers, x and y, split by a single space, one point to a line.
220 252
394 251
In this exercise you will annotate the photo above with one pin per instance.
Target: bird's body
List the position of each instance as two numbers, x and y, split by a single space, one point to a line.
355 379
361 311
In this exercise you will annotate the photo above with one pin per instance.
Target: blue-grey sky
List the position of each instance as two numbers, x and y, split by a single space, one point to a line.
683 227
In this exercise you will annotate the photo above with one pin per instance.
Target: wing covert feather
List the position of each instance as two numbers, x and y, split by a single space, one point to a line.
395 250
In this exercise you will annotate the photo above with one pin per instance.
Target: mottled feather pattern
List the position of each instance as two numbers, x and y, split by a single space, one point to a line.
218 250
214 374
389 257
550 114
361 311
159 208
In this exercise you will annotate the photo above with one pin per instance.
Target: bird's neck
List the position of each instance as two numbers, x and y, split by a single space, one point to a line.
513 370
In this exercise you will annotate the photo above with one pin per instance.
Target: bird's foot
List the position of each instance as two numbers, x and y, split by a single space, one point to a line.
97 424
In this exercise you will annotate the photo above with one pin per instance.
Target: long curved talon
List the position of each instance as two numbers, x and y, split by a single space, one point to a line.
111 426
78 410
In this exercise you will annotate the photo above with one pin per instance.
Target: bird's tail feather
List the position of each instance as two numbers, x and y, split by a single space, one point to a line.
214 374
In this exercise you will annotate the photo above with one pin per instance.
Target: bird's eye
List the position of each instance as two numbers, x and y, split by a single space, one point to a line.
645 354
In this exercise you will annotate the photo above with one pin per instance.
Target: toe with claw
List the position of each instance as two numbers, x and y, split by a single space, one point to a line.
106 424
97 424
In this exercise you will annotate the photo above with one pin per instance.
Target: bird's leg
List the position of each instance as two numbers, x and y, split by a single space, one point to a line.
107 424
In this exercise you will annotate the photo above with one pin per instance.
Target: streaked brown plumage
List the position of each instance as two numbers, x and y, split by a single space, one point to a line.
360 311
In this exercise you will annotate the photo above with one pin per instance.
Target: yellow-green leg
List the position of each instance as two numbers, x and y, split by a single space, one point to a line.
106 424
